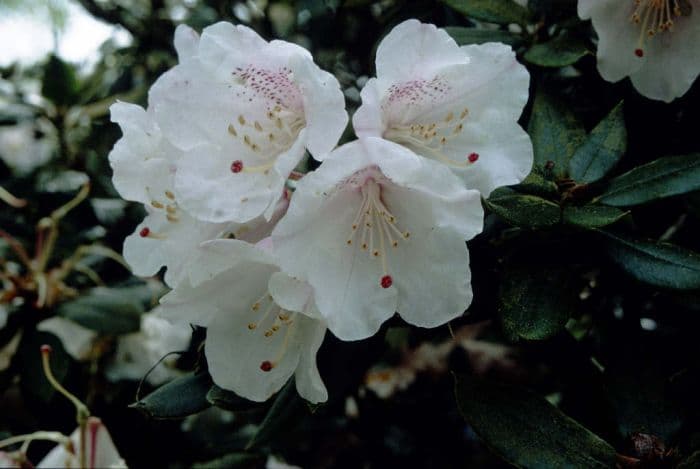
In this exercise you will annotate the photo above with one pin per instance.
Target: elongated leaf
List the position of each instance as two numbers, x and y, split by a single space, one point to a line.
227 400
602 149
105 310
60 83
493 11
464 36
287 410
537 184
664 177
178 398
555 133
592 216
558 52
526 430
661 264
527 211
535 302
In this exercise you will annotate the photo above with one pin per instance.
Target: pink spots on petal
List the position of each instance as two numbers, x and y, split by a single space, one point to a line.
274 86
416 92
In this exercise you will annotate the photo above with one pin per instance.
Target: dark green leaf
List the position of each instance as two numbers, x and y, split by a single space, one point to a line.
60 82
233 460
526 211
493 11
287 410
105 310
602 150
558 52
526 430
535 302
227 400
664 177
28 356
464 36
555 133
592 216
535 183
177 399
660 264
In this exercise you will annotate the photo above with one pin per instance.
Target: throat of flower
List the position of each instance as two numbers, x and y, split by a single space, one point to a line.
656 16
430 139
269 319
374 229
266 139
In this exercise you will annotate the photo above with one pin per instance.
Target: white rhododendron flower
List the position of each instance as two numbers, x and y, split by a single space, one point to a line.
243 111
456 105
255 341
654 42
145 164
100 451
77 340
21 150
377 229
138 352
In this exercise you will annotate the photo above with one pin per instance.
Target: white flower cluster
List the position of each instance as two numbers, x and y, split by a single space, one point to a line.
378 228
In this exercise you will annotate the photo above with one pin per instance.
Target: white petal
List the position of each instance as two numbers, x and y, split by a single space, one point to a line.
415 50
308 380
99 449
186 42
290 293
324 106
671 61
369 120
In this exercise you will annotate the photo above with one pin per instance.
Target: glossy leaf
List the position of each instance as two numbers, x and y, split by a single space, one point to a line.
558 52
177 399
526 211
105 310
288 409
661 264
227 400
555 133
464 36
602 149
493 11
664 177
526 430
535 302
592 216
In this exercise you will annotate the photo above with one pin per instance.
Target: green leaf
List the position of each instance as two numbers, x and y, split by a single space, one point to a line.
105 310
561 51
29 364
661 264
177 399
526 430
525 211
493 11
60 82
464 36
592 216
227 400
233 460
535 302
287 410
602 149
536 183
665 177
555 133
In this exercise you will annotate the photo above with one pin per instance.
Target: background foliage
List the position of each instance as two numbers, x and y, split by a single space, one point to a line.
580 349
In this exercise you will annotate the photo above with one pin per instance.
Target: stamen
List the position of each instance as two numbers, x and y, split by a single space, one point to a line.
145 231
266 366
653 16
386 281
237 166
473 157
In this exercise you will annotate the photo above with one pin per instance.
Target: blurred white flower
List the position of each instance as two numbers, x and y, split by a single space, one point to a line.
21 150
654 42
100 451
76 339
137 353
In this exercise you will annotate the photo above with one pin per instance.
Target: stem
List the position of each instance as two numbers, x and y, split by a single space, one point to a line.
10 199
56 437
17 247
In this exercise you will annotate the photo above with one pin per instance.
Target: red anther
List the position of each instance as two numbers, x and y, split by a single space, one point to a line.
266 366
237 166
46 348
639 52
386 281
145 231
473 157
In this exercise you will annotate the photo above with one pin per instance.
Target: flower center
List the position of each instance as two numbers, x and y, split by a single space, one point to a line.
269 318
657 16
430 139
169 206
275 119
374 228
